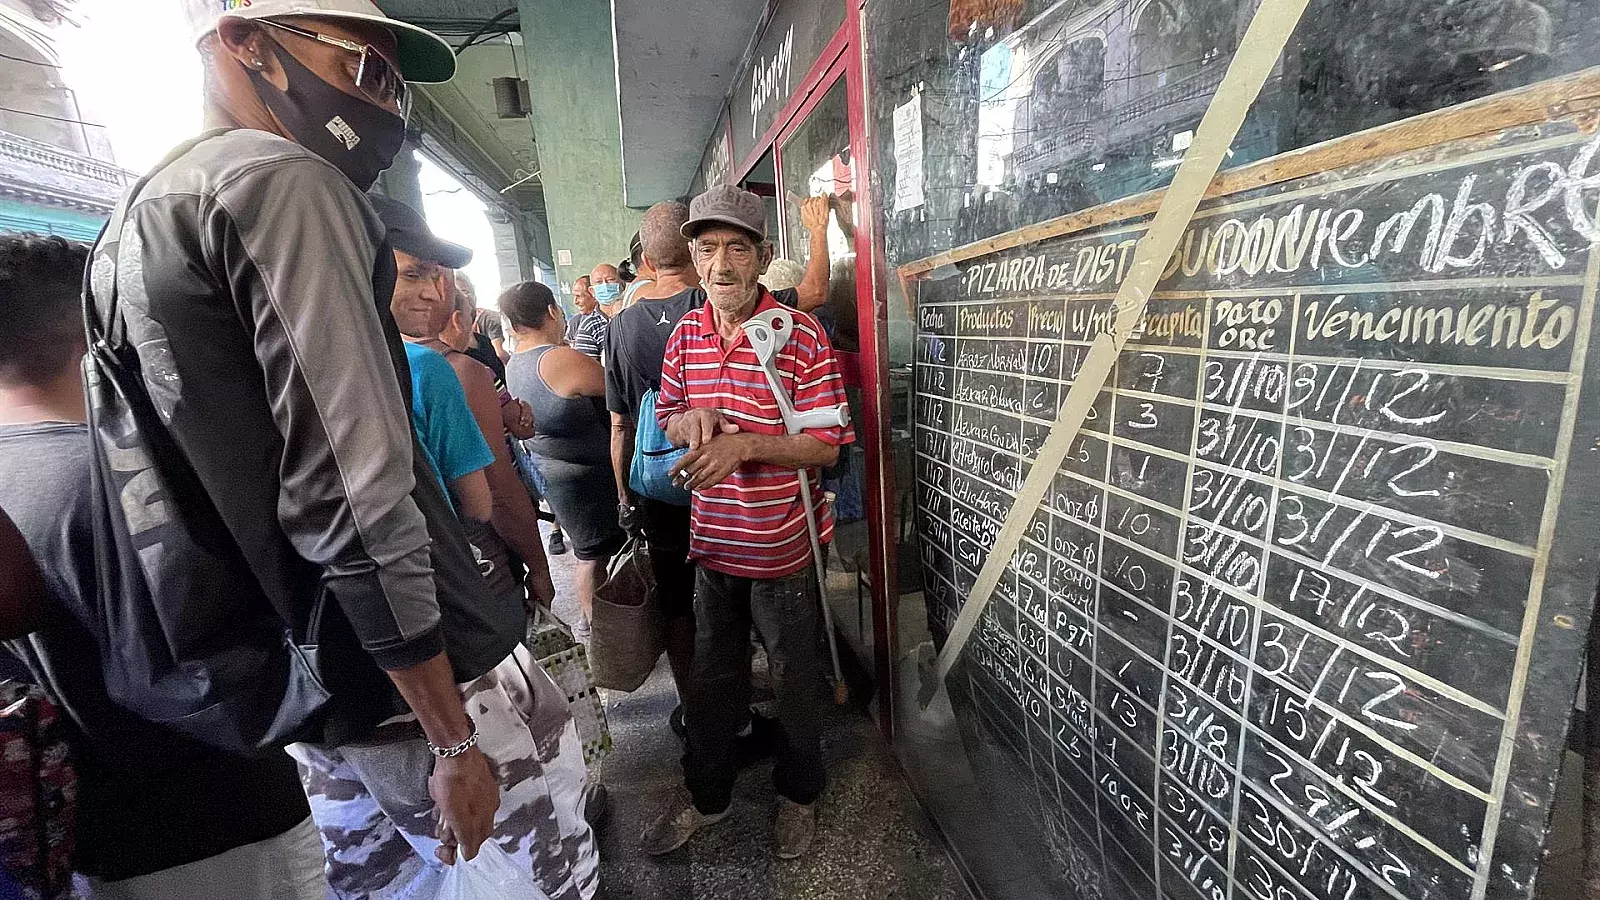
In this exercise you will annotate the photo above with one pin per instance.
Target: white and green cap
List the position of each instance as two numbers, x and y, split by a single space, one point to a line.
424 57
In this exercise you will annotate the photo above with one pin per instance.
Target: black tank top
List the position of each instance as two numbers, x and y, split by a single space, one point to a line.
571 429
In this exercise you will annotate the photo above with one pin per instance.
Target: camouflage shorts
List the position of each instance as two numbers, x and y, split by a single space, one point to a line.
377 821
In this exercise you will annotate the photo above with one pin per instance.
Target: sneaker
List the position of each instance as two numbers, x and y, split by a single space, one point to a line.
558 544
797 825
675 826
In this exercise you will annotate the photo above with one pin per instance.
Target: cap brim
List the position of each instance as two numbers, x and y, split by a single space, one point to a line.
424 57
693 226
430 247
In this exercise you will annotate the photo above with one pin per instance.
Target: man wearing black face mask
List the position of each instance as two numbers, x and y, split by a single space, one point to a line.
254 280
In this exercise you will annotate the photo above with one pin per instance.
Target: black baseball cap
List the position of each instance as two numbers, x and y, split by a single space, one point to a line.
408 233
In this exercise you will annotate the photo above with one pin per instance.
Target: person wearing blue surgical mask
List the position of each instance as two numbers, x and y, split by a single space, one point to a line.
605 283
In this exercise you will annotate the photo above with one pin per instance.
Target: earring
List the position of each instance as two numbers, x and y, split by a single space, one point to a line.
257 64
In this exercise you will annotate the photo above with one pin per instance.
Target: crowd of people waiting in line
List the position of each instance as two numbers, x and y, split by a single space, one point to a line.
279 499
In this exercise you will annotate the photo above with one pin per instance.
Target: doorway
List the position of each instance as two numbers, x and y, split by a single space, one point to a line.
818 146
762 180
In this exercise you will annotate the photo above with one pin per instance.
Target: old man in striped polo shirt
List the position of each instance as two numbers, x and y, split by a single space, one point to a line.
748 527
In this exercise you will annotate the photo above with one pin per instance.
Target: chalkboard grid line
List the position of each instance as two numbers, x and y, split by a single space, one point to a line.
1183 568
1526 460
1366 807
1048 779
1022 651
1260 605
1454 531
1246 727
1255 623
1340 785
1487 540
1042 665
1311 562
975 685
1097 717
1468 450
1250 727
978 685
1017 666
1410 756
1166 651
1316 834
1201 637
1530 617
1535 376
1094 718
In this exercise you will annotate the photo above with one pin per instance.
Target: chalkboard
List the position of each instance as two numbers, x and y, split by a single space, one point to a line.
1303 613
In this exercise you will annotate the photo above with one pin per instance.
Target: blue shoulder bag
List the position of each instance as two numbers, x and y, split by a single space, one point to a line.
653 458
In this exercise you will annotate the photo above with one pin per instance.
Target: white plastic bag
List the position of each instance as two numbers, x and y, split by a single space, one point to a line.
491 875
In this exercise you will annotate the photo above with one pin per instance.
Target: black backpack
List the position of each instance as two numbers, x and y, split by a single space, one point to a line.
191 641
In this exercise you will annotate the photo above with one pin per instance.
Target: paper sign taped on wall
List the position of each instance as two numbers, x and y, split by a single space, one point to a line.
908 154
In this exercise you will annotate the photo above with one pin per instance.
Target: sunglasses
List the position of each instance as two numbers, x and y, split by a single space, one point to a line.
376 78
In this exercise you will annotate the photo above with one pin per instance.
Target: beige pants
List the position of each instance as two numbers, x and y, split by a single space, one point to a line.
287 867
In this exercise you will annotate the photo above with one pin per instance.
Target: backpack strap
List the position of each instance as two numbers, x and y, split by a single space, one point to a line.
110 329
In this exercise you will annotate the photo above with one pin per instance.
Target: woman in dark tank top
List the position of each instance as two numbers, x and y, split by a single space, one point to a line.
571 445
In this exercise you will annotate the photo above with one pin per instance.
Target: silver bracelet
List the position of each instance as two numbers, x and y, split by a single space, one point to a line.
459 749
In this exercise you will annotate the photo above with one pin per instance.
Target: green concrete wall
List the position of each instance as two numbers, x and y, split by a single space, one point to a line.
572 80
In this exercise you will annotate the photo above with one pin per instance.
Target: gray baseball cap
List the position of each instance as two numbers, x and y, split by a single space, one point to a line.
725 204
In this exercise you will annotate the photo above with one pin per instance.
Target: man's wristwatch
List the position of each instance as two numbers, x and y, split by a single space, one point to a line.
458 749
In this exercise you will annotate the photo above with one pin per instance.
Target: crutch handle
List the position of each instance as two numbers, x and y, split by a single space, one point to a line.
827 417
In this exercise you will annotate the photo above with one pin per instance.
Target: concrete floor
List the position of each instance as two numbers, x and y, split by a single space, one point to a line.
873 841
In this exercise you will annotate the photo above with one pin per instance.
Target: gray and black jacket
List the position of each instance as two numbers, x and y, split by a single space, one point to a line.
255 282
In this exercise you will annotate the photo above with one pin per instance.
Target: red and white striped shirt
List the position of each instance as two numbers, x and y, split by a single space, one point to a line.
753 524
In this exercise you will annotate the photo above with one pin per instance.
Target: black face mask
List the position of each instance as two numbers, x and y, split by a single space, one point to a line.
361 139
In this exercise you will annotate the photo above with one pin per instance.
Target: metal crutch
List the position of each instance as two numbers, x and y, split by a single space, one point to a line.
769 332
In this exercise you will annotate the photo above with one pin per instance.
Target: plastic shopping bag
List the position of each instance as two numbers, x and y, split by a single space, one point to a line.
491 875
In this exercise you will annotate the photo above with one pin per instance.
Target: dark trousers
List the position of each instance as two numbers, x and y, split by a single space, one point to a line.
784 613
666 528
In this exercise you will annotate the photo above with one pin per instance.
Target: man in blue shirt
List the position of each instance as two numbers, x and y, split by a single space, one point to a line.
358 793
448 433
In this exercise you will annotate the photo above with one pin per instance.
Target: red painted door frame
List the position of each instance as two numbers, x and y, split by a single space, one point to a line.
868 369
